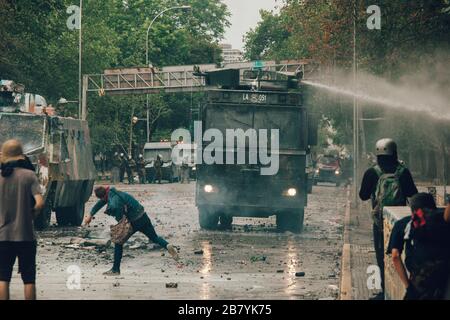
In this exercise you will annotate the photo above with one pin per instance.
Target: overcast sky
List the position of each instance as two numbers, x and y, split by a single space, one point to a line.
245 15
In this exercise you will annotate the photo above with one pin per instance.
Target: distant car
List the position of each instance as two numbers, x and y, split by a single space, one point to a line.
328 169
169 169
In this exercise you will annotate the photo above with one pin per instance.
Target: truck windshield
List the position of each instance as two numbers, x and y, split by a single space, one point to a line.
27 129
328 160
289 121
151 154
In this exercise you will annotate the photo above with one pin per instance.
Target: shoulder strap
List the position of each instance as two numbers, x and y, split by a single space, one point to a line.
378 170
400 169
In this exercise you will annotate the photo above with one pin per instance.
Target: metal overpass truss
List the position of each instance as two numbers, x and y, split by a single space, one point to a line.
173 79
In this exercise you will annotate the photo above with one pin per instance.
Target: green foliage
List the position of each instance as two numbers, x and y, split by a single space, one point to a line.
411 34
39 51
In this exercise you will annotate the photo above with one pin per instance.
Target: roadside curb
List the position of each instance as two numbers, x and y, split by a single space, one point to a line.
346 276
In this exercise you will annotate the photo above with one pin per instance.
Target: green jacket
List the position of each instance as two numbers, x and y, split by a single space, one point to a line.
117 201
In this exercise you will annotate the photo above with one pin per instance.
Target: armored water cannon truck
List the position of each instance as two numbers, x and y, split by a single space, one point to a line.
262 136
59 148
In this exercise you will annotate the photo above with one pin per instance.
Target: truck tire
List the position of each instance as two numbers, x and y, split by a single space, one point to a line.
310 185
70 216
77 216
62 216
208 220
226 222
42 221
290 221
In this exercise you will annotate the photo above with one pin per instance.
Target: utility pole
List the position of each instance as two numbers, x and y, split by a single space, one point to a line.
130 147
355 114
147 61
444 173
80 81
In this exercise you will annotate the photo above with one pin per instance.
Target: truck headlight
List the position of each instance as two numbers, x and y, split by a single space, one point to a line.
292 192
208 188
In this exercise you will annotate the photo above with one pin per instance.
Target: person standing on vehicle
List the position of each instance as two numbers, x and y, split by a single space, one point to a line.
115 170
388 183
20 202
140 167
119 204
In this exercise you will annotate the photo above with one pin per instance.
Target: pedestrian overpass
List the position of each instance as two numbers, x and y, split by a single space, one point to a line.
148 80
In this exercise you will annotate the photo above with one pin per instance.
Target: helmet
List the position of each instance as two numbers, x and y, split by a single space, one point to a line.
121 154
386 147
140 156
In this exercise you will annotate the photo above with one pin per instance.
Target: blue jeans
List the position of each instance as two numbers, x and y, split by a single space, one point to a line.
145 226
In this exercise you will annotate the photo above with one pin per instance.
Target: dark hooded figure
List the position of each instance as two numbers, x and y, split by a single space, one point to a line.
424 238
387 164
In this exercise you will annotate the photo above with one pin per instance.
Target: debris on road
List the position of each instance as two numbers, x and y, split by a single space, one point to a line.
105 243
258 258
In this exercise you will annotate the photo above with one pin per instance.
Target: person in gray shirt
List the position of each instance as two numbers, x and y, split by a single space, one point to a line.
20 202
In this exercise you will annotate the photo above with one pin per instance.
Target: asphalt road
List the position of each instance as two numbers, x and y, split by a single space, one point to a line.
252 261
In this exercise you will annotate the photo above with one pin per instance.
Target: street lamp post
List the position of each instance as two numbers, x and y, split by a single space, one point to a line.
355 114
147 60
79 65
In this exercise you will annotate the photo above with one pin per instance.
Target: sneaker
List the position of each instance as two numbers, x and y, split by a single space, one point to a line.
173 251
111 272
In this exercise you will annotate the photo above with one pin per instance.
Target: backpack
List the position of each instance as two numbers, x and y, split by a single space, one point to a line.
388 192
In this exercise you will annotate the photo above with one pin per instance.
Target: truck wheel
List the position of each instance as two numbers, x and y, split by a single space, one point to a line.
226 222
208 220
290 221
42 221
77 216
62 216
310 186
70 216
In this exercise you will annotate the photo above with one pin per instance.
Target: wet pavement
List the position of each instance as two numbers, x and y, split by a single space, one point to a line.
252 261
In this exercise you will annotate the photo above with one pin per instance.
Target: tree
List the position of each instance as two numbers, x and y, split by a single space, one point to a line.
413 43
39 51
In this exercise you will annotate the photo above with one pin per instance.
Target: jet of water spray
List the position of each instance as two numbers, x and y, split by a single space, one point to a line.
376 91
